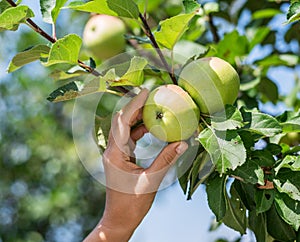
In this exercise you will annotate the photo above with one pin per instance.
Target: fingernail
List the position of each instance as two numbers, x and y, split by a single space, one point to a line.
181 148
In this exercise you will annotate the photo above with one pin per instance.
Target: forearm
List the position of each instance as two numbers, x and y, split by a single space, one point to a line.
104 234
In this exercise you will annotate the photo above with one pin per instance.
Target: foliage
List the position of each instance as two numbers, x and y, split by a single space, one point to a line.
245 143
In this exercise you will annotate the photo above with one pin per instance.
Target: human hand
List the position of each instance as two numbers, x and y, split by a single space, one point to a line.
130 189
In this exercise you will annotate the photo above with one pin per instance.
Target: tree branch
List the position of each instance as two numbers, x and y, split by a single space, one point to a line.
213 28
44 34
149 34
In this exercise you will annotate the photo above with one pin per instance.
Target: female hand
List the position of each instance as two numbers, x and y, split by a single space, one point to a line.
130 189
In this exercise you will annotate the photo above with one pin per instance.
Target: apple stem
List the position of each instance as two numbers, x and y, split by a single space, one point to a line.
149 34
87 68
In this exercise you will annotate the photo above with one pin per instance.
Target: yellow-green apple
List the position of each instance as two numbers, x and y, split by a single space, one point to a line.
211 82
170 114
103 36
291 139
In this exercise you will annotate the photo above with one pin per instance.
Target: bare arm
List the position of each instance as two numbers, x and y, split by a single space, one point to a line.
130 189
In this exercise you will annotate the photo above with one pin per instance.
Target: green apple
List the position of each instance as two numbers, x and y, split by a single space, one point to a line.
211 82
103 36
170 114
291 139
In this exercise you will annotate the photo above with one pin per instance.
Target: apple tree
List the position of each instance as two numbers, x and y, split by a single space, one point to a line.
246 155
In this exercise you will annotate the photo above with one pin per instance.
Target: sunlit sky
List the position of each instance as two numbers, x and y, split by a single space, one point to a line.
172 217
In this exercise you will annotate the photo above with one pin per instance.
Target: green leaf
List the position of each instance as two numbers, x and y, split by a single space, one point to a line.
291 125
288 188
250 172
226 149
231 46
265 13
293 12
231 120
258 224
277 228
59 75
216 195
200 171
172 29
278 60
263 157
264 200
269 89
190 6
235 216
76 89
263 124
65 50
134 75
4 5
291 162
11 18
257 35
66 92
50 9
28 56
124 8
288 209
95 6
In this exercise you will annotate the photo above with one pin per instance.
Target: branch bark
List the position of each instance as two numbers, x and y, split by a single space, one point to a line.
149 34
44 34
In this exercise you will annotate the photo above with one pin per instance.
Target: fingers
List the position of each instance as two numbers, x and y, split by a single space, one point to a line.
167 157
138 133
127 117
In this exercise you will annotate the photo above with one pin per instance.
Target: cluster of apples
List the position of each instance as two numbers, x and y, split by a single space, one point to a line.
172 112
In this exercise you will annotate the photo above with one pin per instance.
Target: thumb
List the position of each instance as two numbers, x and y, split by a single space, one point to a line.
168 156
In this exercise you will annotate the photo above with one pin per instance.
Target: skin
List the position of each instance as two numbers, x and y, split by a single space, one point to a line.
124 211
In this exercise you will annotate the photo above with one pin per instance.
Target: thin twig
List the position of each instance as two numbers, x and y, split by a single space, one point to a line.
213 28
44 34
149 34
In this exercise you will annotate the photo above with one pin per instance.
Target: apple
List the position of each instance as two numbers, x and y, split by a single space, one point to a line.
103 36
170 114
211 82
291 139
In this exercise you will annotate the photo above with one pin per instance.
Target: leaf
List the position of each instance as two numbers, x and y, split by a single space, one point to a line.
278 60
66 92
4 5
11 18
264 200
235 216
250 172
216 195
231 46
291 125
124 8
65 50
28 56
200 171
263 124
288 209
263 157
231 120
293 12
226 149
288 188
172 29
265 13
269 89
62 75
291 162
95 6
76 89
258 224
257 35
277 228
134 75
50 9
190 6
